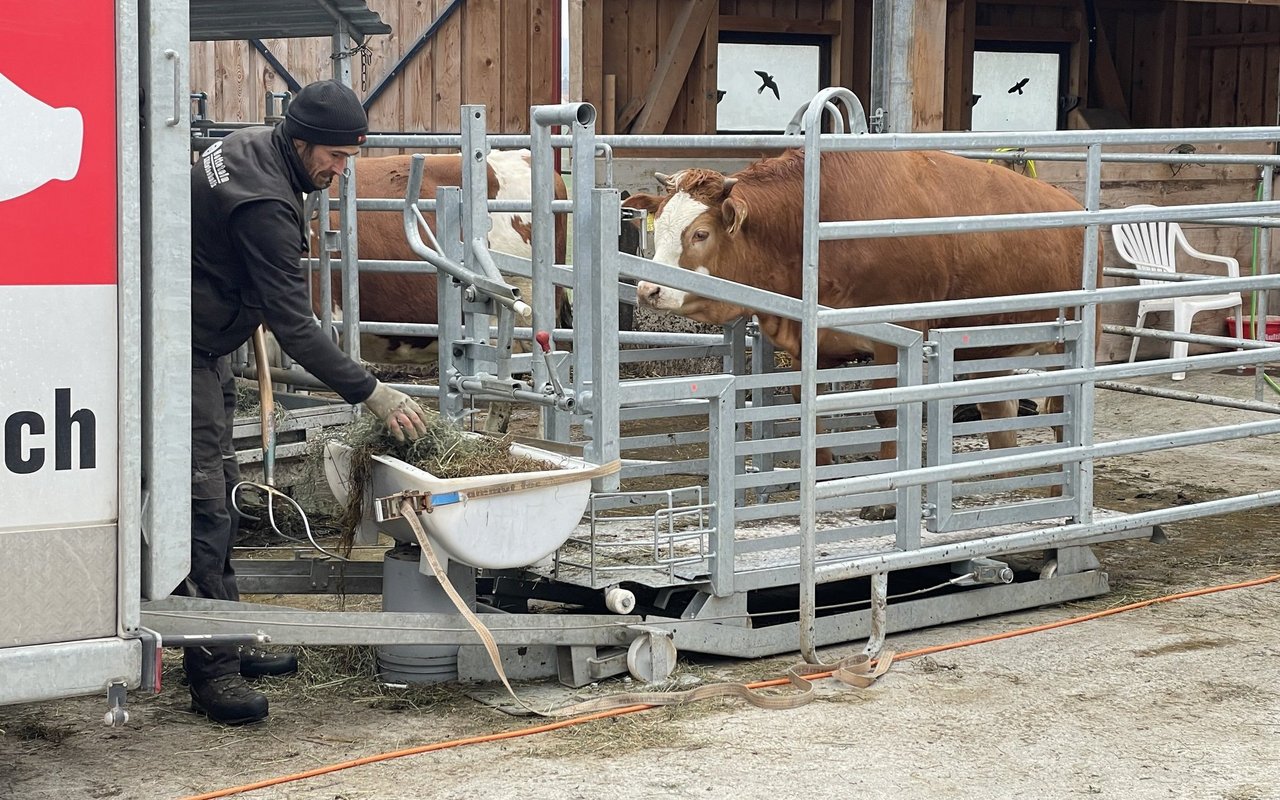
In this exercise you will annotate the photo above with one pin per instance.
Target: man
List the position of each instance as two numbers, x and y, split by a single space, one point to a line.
248 234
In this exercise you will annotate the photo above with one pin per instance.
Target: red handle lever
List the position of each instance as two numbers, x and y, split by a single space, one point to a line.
544 340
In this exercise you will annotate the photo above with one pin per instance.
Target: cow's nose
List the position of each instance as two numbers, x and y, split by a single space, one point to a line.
648 293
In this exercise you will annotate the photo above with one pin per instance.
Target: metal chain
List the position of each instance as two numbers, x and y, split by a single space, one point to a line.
366 57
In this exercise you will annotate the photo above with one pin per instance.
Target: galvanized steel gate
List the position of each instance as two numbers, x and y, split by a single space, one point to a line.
736 563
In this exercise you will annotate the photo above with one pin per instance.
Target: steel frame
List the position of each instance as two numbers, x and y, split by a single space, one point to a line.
750 433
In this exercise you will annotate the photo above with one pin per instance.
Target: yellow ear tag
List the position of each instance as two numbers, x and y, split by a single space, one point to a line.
648 222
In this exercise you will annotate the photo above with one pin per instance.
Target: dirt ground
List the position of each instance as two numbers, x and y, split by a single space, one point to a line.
1175 700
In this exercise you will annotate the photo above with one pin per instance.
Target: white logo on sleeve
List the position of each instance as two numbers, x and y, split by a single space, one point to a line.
215 167
39 143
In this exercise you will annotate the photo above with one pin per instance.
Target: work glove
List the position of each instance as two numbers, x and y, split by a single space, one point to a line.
399 411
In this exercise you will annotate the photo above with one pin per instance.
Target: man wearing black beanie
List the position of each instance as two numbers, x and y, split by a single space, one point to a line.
248 236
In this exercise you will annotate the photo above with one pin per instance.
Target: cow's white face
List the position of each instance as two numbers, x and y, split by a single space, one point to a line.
669 227
688 231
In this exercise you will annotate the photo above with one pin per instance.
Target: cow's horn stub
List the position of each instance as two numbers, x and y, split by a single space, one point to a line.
665 180
728 184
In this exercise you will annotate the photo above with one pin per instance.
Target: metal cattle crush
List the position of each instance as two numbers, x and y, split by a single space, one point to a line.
721 534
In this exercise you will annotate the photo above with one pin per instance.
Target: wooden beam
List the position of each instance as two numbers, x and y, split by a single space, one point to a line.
1106 81
958 99
1018 33
1251 39
928 64
1237 2
820 27
673 65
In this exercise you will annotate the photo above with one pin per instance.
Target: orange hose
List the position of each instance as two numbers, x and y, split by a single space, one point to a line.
617 712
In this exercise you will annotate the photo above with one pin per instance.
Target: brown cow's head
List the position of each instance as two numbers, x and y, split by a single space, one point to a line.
692 227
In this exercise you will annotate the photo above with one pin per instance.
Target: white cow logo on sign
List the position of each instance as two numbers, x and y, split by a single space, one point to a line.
38 143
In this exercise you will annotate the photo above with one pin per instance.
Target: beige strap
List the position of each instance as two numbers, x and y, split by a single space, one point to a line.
859 670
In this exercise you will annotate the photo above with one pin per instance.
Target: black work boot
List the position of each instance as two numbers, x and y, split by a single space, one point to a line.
255 663
229 700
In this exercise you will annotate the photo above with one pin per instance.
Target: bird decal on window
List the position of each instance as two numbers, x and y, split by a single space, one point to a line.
766 82
1017 87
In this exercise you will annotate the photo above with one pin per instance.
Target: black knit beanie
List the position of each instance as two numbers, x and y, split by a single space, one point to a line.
326 112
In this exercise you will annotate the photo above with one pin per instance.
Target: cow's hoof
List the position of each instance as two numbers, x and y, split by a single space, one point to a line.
878 513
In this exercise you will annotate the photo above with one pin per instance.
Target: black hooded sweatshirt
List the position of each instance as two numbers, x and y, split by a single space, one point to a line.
248 234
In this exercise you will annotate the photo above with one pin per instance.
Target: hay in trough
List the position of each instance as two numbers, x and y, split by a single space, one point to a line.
445 451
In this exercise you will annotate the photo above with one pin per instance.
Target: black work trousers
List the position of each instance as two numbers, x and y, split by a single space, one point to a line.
214 520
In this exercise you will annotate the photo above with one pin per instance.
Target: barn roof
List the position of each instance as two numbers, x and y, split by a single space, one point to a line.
213 20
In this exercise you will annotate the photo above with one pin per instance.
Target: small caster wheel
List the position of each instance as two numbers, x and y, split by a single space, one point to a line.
651 658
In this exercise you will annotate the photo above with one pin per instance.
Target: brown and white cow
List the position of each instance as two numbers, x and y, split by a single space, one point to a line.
410 298
747 228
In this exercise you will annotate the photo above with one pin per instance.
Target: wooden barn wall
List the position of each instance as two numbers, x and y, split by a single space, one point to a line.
621 43
499 53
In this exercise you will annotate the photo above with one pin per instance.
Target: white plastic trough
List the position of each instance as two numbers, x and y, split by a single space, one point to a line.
520 519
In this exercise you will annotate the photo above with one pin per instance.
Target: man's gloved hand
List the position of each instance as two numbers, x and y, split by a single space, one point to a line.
399 411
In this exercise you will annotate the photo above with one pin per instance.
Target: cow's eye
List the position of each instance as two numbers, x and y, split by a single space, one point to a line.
700 236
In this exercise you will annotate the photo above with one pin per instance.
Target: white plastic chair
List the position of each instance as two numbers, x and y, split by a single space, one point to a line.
1154 246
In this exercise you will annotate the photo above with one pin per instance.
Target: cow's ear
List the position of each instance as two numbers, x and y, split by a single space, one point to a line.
734 212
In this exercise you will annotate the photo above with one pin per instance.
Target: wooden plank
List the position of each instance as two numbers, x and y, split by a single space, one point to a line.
544 39
229 84
1271 75
608 105
1122 47
1106 83
1235 39
706 62
861 83
483 58
387 112
667 14
1022 33
785 9
615 57
590 55
200 74
1146 53
1175 64
1078 70
1226 68
643 42
928 64
842 42
767 24
673 68
958 98
521 60
1249 102
447 78
417 76
1269 3
1204 73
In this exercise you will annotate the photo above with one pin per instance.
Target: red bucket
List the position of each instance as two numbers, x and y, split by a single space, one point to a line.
1273 328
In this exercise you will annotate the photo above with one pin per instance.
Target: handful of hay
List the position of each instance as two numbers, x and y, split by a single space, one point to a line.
445 451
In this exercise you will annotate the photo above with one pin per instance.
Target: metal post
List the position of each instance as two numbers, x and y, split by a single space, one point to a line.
1080 474
1262 266
347 217
449 298
809 385
603 327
